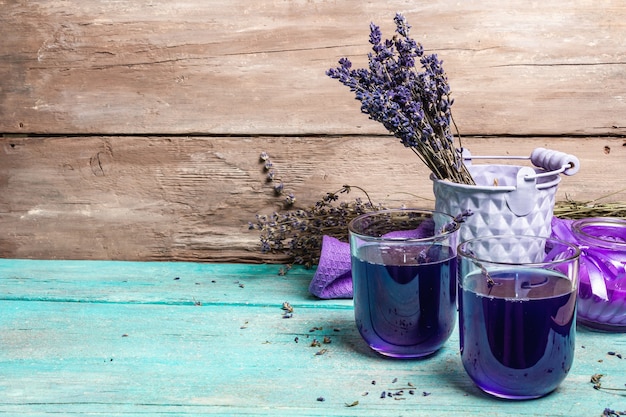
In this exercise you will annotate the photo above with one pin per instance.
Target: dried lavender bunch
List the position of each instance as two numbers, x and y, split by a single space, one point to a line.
570 209
298 233
414 105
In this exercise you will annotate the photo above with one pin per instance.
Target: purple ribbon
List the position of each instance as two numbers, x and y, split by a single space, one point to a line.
603 269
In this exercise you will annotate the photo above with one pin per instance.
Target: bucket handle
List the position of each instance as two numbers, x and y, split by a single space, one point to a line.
521 200
553 162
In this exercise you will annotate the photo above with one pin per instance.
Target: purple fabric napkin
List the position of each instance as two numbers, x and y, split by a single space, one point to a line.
333 277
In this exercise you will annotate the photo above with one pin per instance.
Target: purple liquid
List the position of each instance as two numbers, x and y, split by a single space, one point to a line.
517 348
404 308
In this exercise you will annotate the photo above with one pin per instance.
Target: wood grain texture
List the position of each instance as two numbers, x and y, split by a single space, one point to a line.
188 339
191 198
240 67
131 130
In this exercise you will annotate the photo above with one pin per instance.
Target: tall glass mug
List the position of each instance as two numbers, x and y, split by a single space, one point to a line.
517 313
404 279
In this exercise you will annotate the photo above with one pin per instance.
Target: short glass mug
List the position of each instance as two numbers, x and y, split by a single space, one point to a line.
404 280
517 313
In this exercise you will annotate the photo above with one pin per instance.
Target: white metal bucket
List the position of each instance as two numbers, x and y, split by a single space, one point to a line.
507 199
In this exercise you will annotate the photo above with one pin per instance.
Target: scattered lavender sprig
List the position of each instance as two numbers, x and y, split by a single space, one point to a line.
298 233
414 105
279 187
459 218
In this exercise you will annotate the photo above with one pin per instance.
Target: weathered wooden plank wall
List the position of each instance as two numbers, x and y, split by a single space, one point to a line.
131 130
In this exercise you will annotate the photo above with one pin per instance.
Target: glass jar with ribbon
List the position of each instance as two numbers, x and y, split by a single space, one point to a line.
602 290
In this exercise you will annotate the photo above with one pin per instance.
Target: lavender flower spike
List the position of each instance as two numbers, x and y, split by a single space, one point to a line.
413 104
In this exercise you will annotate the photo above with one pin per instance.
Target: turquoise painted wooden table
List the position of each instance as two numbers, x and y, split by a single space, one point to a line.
120 338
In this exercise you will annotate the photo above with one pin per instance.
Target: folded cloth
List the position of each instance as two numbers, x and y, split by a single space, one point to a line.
333 277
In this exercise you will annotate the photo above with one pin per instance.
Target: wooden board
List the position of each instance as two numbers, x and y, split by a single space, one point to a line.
238 67
126 338
173 198
132 130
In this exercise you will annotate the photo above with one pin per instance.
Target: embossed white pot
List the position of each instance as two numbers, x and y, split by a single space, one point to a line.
506 200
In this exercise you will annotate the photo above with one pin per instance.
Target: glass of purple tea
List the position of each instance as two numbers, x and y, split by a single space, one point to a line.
517 313
404 280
